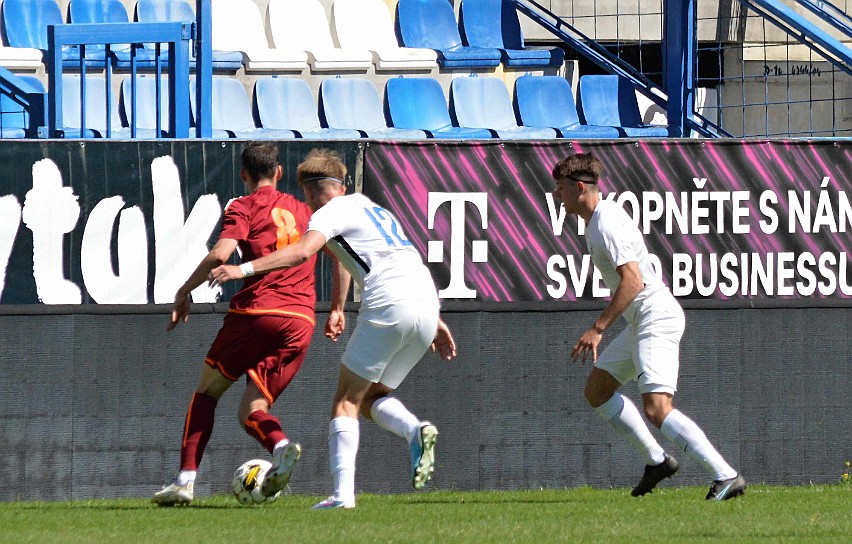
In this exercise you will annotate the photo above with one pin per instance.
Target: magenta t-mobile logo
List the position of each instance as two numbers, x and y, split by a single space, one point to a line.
479 248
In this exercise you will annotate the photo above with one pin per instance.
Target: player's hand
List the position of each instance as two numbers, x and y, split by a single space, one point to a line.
335 325
588 343
180 311
444 343
223 274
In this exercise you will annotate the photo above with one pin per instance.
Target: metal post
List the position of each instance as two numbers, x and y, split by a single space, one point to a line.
204 69
54 84
680 48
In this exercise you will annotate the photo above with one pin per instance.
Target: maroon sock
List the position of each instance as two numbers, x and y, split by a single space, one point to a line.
197 430
265 428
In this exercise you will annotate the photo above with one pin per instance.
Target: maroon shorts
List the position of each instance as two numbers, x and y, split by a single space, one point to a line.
268 348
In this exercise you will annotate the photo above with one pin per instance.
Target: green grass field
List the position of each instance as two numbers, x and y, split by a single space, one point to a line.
766 514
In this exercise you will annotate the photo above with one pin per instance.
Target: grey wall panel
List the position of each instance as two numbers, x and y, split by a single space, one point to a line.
92 403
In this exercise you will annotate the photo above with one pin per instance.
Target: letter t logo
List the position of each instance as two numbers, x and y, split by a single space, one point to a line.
479 248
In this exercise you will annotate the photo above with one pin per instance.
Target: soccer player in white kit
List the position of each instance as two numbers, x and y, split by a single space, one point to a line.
648 349
397 323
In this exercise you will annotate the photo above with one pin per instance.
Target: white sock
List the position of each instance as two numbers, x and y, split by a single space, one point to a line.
391 415
688 435
343 435
185 476
280 445
623 416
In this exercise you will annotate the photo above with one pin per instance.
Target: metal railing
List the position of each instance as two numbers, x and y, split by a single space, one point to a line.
176 35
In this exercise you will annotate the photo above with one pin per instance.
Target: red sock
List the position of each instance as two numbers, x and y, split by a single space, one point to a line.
197 430
265 428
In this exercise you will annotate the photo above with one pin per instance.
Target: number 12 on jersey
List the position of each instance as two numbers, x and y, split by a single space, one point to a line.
386 223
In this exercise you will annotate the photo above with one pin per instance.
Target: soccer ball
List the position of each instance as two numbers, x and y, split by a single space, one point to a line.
247 481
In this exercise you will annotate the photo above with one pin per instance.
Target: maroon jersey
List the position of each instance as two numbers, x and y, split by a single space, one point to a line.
262 222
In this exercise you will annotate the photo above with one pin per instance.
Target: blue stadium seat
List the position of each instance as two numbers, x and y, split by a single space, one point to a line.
14 119
484 102
232 116
108 11
609 100
25 24
354 103
287 103
547 101
95 104
146 106
419 103
494 23
177 11
432 24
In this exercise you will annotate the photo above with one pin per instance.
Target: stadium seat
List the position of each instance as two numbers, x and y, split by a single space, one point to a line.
366 24
238 26
354 103
547 101
20 57
25 25
288 103
108 11
232 116
484 102
609 100
432 24
14 119
419 103
303 25
495 23
95 105
164 11
146 106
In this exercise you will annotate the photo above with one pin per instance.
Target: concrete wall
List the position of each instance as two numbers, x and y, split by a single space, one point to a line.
93 400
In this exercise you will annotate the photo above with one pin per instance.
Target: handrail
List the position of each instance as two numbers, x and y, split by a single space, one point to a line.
32 99
829 13
177 35
805 32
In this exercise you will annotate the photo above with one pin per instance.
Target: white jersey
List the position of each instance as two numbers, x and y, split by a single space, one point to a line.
613 240
369 242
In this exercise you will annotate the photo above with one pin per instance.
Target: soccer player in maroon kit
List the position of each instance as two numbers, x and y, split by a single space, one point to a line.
266 332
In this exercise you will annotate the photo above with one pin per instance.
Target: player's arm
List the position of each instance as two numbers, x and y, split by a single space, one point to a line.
218 254
630 286
286 257
339 291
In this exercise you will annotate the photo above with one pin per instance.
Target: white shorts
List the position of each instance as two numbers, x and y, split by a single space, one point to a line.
387 342
648 350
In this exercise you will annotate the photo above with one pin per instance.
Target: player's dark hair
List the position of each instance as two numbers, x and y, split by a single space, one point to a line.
321 166
580 167
260 160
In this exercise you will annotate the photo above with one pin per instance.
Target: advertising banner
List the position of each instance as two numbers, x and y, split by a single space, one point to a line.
120 222
735 221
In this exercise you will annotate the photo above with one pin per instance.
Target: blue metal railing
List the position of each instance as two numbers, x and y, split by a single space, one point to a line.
176 35
680 48
805 32
32 100
829 13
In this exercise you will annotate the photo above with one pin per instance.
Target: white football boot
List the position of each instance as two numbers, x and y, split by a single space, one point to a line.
174 494
283 461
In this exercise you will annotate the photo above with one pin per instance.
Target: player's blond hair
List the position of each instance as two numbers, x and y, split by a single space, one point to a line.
321 166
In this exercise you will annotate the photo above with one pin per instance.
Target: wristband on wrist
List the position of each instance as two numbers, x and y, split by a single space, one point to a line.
247 269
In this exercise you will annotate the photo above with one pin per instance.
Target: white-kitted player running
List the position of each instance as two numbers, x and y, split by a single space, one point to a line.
397 322
648 349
